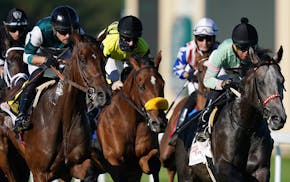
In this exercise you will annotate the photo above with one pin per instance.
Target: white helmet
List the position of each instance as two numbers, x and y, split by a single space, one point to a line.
205 26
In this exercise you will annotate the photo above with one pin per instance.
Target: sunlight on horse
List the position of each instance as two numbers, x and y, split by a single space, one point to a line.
241 143
60 136
128 128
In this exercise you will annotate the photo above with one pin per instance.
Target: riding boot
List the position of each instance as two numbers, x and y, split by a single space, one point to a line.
182 116
21 122
202 132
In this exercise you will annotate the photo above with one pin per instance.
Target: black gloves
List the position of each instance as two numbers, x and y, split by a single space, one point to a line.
227 83
191 77
51 61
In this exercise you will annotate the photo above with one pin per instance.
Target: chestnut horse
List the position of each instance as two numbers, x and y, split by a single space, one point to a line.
167 152
60 136
240 140
128 127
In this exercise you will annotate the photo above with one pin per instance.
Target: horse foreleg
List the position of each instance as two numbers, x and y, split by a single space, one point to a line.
171 173
144 161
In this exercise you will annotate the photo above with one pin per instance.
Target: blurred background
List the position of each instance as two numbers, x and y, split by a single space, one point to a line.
168 25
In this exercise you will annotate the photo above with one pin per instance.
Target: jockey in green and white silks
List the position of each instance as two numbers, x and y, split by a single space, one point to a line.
122 39
48 39
225 57
231 53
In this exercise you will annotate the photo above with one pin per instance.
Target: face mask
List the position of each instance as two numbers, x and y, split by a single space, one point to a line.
124 46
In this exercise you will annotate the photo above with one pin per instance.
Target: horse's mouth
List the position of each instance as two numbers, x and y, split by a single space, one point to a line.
101 98
275 122
157 126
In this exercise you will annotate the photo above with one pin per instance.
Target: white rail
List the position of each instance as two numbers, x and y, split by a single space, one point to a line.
279 138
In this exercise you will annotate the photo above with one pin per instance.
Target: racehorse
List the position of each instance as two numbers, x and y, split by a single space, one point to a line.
241 143
60 136
128 127
15 71
167 152
14 75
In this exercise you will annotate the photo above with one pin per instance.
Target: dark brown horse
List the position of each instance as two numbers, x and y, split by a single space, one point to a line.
15 71
14 75
128 128
60 136
241 142
167 152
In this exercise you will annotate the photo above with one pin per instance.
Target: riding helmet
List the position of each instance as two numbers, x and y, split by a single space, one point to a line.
64 18
130 26
205 26
16 17
244 34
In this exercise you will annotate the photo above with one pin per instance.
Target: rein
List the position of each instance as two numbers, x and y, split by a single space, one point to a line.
143 111
85 88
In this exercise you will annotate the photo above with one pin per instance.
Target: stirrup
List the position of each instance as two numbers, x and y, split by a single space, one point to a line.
202 135
21 123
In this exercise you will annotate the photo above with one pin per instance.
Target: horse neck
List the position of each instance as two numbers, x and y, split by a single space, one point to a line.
73 75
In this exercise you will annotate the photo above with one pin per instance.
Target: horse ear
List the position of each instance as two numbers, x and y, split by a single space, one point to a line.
134 63
254 58
278 56
157 60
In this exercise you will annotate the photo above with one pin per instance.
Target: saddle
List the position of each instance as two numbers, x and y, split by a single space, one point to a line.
11 107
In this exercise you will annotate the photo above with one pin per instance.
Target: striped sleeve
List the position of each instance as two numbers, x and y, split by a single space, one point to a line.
213 69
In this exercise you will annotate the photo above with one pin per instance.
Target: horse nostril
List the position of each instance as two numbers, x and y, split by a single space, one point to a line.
275 122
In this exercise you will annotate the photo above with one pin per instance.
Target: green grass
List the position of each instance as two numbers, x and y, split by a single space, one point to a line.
285 172
285 169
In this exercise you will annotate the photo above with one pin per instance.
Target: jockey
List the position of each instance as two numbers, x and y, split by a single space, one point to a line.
232 53
122 39
48 38
13 32
185 64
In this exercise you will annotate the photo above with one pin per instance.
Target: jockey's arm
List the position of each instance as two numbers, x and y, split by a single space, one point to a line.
112 70
33 42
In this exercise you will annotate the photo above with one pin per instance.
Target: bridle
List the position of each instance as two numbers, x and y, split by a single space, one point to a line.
264 102
11 80
86 88
140 107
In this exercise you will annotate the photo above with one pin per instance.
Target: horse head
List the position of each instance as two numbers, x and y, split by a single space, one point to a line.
145 86
91 64
268 84
14 68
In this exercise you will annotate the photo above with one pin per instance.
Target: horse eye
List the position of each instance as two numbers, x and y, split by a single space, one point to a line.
83 59
141 87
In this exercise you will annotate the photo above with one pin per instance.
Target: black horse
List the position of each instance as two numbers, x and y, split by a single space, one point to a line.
240 140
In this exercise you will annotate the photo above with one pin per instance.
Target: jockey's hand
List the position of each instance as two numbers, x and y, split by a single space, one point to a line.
191 77
227 83
49 62
117 85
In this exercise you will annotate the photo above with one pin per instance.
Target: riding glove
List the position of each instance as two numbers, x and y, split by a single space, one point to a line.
191 77
117 85
226 83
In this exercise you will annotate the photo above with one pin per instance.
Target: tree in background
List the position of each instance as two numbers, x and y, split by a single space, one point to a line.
94 15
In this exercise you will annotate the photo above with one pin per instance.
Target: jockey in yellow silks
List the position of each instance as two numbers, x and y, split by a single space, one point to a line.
122 39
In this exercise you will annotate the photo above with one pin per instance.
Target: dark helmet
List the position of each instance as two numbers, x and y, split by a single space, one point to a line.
130 26
245 34
64 18
16 17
